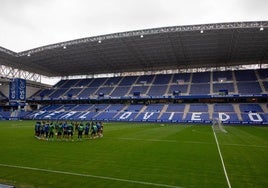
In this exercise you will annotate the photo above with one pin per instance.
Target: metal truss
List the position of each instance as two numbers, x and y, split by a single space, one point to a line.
9 72
141 33
232 25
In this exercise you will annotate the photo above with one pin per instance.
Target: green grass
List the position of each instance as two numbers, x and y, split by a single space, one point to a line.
135 155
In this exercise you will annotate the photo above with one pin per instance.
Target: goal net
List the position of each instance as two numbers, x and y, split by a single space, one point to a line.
217 126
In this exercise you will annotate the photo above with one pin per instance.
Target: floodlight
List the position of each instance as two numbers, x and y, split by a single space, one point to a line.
201 31
261 29
141 36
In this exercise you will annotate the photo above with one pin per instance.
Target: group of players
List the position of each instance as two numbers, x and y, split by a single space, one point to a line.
67 130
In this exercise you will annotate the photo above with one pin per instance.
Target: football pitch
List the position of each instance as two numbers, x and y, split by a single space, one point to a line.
136 155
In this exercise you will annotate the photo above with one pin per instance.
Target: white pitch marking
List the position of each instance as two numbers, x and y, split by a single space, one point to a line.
90 176
222 161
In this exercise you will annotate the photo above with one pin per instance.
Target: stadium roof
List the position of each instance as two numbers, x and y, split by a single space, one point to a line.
178 47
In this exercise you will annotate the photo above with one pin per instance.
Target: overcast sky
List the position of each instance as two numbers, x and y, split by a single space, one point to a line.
26 24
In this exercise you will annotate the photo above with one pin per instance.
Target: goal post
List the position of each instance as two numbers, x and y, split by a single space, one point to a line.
217 125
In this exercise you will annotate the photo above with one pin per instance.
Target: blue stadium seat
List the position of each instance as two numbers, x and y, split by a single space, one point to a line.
69 83
46 92
154 108
120 91
87 92
83 107
185 77
265 85
223 86
162 79
198 108
181 88
223 108
125 116
104 90
249 88
73 92
157 90
128 80
58 93
145 79
253 118
171 117
97 82
112 81
52 107
147 116
141 89
250 108
84 82
175 108
105 116
201 77
200 89
221 76
115 107
245 75
134 108
263 73
197 117
226 117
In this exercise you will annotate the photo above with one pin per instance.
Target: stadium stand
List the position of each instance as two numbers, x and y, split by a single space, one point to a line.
160 85
192 90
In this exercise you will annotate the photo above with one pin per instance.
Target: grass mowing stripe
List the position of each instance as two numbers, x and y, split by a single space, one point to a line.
159 140
90 176
222 161
243 145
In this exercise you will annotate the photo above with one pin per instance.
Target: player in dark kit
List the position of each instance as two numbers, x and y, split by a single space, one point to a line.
42 129
80 130
37 128
70 129
46 128
51 130
59 130
87 129
65 130
94 130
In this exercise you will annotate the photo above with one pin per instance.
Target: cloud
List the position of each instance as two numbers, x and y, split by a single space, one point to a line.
28 24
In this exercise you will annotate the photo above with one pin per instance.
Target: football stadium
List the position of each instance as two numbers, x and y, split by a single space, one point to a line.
181 106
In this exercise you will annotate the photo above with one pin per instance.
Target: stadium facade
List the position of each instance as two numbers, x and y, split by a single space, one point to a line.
174 74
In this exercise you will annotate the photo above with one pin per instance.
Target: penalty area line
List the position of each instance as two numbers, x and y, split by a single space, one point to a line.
222 161
90 176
